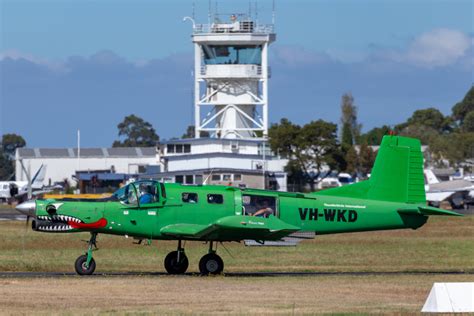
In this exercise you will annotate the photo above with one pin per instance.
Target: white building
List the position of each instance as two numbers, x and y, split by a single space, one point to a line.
63 163
192 160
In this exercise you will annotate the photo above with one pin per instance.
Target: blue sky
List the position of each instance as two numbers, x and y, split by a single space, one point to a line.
86 64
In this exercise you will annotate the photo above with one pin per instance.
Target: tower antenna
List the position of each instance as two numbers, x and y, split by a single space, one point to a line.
194 7
256 12
273 13
209 13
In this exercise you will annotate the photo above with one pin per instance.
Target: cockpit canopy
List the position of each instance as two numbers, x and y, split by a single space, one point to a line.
140 193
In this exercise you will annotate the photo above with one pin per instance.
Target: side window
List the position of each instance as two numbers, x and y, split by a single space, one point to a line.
188 197
163 190
215 199
130 195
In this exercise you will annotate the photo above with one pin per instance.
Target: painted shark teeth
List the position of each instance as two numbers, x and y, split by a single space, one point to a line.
56 223
63 228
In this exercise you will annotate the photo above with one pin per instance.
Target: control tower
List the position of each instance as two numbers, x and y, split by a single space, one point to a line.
231 77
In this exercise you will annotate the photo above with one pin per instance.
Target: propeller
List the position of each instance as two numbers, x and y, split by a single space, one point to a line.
27 208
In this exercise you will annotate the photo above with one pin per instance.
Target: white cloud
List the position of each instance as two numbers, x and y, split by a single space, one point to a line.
439 47
17 55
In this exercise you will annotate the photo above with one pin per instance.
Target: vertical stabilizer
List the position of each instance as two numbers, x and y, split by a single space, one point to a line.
397 175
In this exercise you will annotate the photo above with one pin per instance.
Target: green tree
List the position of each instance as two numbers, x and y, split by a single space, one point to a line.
366 159
461 109
136 133
191 132
10 142
350 127
310 149
429 117
425 134
375 135
352 161
468 122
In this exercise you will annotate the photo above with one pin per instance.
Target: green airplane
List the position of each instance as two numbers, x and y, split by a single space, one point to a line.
393 198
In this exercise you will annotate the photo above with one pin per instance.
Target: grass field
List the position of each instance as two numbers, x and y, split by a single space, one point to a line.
444 245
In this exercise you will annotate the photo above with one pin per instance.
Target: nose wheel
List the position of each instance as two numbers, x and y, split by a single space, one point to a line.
176 262
82 268
85 264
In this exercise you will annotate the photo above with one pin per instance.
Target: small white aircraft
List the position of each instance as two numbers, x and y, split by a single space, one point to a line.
18 189
454 191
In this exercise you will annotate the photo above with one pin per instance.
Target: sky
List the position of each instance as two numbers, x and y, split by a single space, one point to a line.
70 64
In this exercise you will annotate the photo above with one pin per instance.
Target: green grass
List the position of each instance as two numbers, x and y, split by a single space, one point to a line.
443 244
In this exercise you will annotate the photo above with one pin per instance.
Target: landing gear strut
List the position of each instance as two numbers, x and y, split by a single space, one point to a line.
176 262
211 263
85 264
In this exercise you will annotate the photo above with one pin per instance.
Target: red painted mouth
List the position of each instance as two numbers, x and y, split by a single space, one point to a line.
99 224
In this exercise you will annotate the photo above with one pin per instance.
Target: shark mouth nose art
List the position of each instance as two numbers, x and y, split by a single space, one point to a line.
64 223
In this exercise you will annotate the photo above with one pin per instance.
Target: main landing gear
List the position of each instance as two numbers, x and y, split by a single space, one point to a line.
211 263
176 262
85 264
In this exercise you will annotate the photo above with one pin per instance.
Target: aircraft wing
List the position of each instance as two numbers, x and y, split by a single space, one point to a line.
233 228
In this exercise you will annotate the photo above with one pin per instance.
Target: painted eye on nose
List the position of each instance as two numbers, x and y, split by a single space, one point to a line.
51 209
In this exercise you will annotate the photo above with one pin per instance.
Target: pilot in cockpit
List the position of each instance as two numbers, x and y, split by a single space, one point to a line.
146 195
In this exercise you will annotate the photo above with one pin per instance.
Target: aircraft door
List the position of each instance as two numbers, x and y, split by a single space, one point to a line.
259 205
135 207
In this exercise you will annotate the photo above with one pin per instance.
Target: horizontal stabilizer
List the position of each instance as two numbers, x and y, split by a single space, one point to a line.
427 211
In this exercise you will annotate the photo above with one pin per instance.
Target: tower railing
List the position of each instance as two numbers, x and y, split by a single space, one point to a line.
229 28
240 70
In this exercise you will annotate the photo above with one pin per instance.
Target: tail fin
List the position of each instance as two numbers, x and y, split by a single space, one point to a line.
397 175
38 179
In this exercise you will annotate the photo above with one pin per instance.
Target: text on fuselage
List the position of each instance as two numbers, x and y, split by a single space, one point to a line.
329 215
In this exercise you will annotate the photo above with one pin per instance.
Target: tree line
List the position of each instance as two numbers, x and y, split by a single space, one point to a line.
314 150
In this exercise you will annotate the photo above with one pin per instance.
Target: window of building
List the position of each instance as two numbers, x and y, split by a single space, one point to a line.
198 178
189 179
179 148
228 54
170 148
187 148
216 177
188 197
237 177
178 179
215 199
226 177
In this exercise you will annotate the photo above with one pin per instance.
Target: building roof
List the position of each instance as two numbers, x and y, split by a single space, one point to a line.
211 140
119 152
208 170
219 155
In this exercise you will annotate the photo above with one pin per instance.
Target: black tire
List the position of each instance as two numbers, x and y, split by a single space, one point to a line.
80 265
172 265
211 264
